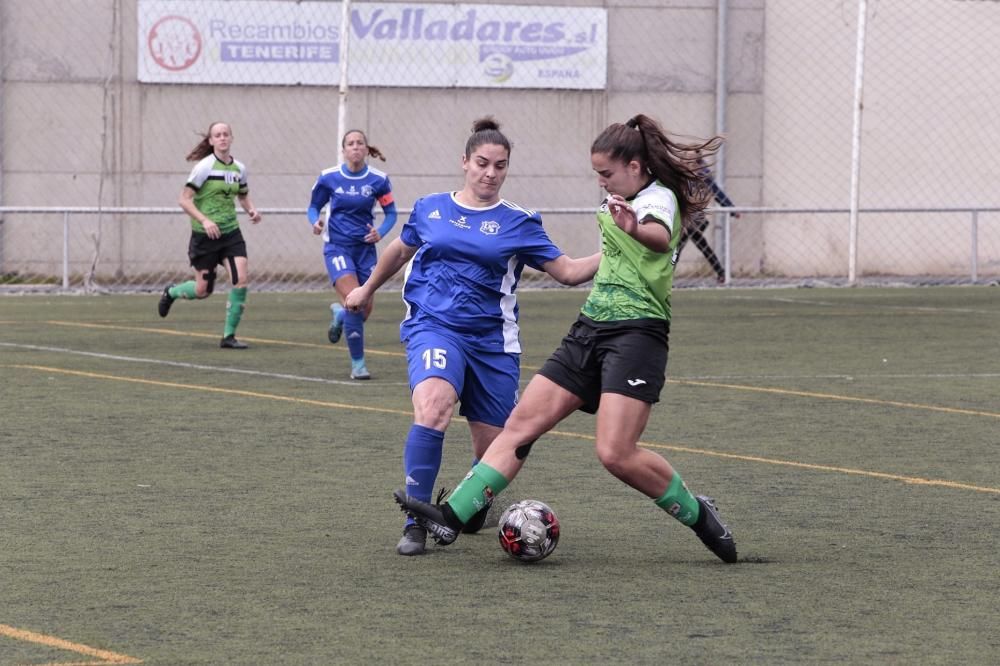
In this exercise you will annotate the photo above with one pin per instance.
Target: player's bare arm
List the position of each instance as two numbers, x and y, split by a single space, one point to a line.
187 205
569 271
394 257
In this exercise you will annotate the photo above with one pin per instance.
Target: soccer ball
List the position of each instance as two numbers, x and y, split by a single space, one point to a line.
528 531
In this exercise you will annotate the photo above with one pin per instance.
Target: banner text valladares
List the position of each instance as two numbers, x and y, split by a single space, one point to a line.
411 45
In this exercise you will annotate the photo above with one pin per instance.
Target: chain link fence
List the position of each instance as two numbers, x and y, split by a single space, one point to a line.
861 135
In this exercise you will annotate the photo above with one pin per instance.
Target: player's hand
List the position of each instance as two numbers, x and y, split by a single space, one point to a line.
254 215
373 236
623 214
357 299
318 228
211 229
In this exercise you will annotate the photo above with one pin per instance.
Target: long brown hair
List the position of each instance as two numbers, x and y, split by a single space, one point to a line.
204 148
678 165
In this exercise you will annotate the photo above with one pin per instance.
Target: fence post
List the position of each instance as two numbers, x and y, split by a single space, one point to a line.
975 246
859 78
727 261
65 281
344 55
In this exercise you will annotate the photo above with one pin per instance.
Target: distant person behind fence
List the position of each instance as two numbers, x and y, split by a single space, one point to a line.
351 189
208 198
700 222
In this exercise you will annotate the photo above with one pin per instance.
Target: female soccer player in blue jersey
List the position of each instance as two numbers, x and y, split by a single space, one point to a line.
351 189
613 361
207 198
466 251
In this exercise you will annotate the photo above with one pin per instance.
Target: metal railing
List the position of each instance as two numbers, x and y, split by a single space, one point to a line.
727 226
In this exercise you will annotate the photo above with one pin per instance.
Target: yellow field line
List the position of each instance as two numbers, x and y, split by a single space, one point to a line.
106 656
833 396
915 480
669 447
212 389
168 331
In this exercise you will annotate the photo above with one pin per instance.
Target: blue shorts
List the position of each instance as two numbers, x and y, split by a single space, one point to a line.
486 382
341 260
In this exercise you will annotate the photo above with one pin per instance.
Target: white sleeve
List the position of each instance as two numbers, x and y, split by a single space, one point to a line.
200 172
657 202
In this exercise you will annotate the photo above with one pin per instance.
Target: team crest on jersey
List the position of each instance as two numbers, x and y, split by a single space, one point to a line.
366 190
461 223
490 228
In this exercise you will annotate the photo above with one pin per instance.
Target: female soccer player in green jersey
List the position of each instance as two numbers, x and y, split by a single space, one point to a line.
613 361
208 199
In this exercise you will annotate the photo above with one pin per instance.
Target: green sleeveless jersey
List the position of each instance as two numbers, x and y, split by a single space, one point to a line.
633 282
216 185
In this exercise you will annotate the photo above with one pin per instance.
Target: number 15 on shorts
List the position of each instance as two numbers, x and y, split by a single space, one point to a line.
435 358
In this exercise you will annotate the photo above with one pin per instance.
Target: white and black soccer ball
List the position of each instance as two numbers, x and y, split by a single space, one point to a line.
528 530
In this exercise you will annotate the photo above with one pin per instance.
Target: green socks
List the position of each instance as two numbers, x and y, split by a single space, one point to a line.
184 290
234 309
679 502
480 486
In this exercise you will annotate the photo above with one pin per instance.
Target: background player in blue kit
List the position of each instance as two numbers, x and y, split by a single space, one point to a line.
351 189
466 252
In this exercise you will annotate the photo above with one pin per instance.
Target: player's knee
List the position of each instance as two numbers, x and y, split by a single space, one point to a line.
613 460
433 410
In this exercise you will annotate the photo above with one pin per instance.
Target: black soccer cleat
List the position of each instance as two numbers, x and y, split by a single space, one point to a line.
166 300
230 342
713 532
429 516
414 541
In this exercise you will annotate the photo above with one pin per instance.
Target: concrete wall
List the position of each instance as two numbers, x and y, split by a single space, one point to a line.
71 103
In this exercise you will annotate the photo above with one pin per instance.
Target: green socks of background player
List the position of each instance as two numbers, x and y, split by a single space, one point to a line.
234 309
679 502
184 290
479 486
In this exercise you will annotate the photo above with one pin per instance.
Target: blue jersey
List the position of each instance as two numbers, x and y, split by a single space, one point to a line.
463 276
352 198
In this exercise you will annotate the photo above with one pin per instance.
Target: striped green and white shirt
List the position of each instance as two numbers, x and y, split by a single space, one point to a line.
216 185
634 282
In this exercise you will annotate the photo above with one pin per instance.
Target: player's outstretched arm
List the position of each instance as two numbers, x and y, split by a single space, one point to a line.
394 257
569 271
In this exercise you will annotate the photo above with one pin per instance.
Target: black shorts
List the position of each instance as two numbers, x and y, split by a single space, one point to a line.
626 357
206 253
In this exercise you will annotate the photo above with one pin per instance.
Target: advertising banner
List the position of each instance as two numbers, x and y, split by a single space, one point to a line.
411 45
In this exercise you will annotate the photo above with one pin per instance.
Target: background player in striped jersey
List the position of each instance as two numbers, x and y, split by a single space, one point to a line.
613 360
466 251
208 198
351 189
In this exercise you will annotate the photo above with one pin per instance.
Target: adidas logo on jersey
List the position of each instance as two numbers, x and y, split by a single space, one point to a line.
435 215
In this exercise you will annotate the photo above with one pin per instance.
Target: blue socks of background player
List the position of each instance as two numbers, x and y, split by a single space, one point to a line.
354 331
421 461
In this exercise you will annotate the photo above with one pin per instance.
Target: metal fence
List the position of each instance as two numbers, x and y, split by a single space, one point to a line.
93 250
861 142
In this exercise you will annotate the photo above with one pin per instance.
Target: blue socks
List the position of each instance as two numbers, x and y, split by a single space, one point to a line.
354 331
422 461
